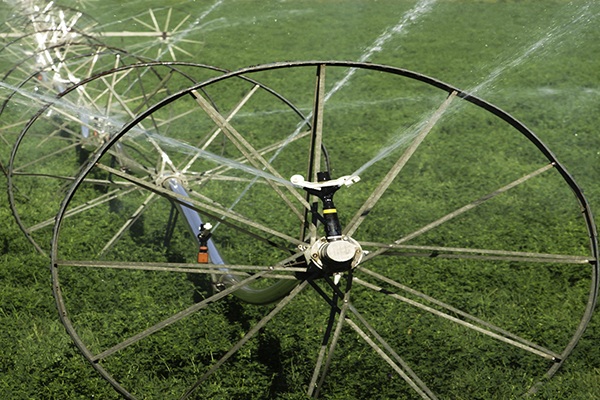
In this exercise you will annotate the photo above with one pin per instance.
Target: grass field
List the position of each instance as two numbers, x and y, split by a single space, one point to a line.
536 60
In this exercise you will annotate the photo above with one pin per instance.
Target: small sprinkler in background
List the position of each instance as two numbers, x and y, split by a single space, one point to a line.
203 236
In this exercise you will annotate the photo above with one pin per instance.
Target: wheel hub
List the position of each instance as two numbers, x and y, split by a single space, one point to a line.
334 256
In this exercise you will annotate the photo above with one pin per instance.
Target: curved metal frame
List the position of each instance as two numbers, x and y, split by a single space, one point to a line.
342 310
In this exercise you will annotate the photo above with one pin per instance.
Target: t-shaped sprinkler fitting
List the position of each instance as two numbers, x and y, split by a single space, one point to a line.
335 252
324 189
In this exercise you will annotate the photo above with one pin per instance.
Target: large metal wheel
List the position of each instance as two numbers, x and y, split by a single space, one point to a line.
464 249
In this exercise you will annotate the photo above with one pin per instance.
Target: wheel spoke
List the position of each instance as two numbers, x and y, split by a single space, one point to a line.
45 157
113 95
503 335
221 169
316 140
212 210
315 152
161 87
219 129
414 379
219 269
251 154
322 350
462 210
102 182
398 364
395 170
176 317
130 221
478 254
314 387
71 114
249 335
114 194
453 310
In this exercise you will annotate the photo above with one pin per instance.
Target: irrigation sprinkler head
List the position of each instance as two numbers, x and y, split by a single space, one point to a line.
335 252
204 233
203 237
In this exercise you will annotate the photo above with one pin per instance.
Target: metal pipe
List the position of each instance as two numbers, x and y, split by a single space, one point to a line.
246 293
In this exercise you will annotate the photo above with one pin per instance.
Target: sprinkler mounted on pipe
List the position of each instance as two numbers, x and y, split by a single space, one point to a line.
334 253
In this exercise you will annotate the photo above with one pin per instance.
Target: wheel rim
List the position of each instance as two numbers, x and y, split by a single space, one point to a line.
446 220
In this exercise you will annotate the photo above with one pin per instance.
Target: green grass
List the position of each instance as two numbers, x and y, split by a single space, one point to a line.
554 90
